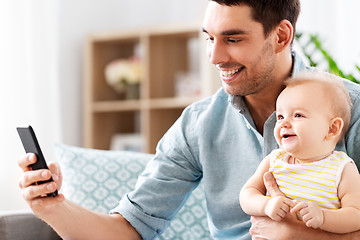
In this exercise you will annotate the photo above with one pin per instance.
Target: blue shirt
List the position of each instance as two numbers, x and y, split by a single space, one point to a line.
216 141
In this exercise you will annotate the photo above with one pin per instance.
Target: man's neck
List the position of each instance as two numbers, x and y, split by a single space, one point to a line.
260 109
262 104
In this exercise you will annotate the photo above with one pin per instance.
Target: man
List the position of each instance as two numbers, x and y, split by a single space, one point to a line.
219 140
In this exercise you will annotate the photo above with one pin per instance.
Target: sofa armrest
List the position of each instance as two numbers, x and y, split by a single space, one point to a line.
24 226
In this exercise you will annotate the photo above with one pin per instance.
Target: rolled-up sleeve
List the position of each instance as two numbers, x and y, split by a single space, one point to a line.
147 226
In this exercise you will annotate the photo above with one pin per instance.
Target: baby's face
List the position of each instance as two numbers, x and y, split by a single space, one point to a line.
303 120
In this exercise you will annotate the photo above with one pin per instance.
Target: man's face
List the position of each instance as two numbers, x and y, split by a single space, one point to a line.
238 48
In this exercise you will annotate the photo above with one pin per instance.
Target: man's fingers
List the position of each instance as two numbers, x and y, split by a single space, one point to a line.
31 177
36 191
56 173
54 167
26 160
55 170
271 185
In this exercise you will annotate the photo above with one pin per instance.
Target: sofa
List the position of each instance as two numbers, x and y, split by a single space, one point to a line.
97 180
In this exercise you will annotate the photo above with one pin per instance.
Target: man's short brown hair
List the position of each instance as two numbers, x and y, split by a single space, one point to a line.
269 12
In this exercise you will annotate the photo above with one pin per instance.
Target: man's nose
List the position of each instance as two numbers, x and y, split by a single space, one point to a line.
217 52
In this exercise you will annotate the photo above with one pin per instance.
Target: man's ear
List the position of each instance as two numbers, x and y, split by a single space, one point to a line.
284 35
335 128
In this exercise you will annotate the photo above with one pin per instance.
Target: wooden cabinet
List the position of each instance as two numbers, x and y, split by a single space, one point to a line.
166 53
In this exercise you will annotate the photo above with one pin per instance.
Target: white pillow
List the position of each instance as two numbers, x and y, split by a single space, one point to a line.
98 179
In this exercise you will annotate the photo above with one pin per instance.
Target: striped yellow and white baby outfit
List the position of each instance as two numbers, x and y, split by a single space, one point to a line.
316 181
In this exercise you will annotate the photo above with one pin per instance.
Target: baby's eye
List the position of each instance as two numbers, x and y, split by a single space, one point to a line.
298 115
280 117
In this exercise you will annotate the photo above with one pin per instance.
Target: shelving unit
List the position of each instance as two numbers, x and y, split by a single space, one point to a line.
164 52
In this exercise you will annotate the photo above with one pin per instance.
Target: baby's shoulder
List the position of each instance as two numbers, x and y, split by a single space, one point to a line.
277 154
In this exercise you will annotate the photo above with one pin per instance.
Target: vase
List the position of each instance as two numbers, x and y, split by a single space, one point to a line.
132 91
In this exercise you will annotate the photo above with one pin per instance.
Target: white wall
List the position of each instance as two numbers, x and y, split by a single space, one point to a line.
334 20
41 68
57 73
76 21
337 23
28 89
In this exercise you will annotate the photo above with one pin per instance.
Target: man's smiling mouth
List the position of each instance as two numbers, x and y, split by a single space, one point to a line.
230 73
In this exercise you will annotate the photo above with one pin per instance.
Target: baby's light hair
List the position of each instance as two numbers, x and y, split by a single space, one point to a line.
335 90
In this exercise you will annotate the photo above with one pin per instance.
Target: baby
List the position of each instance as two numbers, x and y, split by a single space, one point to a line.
321 185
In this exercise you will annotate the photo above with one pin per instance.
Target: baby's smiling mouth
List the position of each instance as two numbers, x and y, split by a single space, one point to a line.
286 136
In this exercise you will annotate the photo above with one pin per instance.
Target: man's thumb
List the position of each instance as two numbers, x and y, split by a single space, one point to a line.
271 185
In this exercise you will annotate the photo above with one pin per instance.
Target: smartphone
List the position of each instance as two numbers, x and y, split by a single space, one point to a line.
31 145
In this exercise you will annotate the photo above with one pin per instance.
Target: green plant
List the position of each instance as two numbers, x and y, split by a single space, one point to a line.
311 45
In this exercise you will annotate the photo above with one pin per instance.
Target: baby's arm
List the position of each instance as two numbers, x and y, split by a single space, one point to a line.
254 202
344 220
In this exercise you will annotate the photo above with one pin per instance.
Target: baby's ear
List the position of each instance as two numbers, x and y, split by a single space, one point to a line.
335 128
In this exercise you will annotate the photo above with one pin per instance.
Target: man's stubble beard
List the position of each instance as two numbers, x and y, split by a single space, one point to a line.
249 85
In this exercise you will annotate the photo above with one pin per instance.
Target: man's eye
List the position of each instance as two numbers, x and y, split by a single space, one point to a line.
209 38
232 40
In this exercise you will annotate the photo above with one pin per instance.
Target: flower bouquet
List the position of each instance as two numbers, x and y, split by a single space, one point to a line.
124 76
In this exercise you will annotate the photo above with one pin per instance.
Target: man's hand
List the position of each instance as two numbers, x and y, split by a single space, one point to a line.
271 185
278 205
266 228
35 194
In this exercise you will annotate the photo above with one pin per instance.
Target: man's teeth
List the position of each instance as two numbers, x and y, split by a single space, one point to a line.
229 73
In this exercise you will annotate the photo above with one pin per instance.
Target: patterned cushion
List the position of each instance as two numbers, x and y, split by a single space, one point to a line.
98 179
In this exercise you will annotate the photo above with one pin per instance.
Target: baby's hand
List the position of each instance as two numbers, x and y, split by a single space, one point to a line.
277 207
311 214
